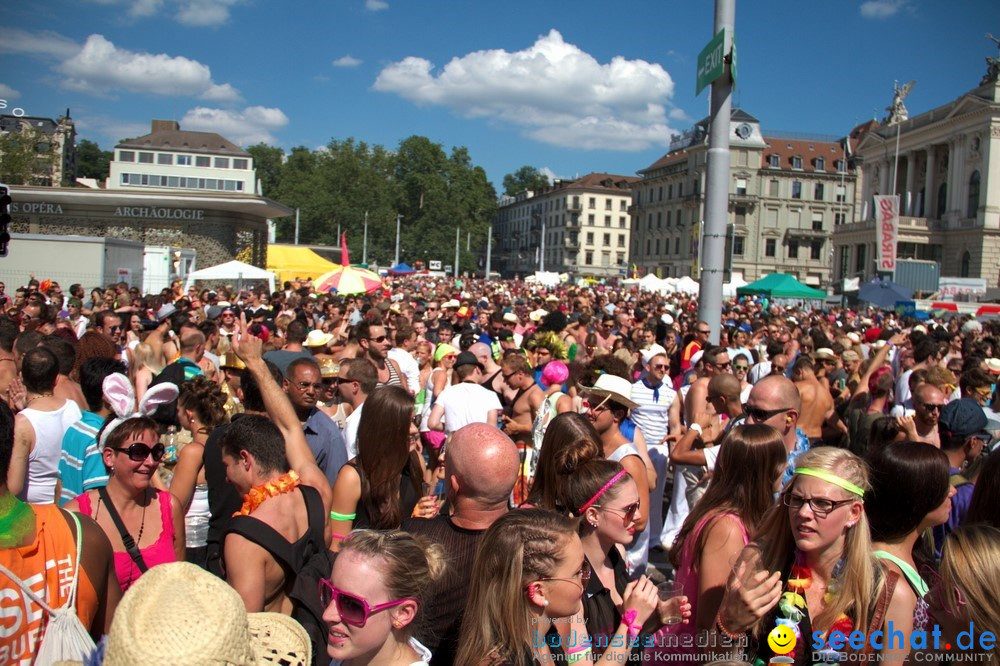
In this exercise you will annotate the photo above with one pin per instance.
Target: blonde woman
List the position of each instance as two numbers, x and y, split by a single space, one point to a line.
146 364
529 575
810 566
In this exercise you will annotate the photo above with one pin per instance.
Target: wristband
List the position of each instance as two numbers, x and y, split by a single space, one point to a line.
697 428
339 537
342 516
628 619
725 632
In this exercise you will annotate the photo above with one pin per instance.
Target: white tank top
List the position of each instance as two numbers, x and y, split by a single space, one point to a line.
43 461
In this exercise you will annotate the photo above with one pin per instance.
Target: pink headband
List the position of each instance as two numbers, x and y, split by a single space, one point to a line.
603 490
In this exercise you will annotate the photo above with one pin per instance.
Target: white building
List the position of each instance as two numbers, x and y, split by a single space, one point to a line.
169 158
580 227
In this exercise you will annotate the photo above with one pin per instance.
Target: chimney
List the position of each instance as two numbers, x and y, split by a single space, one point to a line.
165 125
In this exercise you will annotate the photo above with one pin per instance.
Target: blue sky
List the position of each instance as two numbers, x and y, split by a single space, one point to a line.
566 87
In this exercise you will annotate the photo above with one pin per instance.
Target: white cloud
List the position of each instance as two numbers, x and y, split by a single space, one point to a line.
376 5
6 92
879 9
548 173
41 43
202 13
253 124
108 131
346 61
556 92
101 67
143 8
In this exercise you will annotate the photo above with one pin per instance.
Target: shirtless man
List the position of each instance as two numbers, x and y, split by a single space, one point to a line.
714 361
258 450
374 343
928 401
528 399
817 419
493 374
8 364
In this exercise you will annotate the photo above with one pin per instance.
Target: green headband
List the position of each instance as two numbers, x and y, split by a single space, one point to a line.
831 478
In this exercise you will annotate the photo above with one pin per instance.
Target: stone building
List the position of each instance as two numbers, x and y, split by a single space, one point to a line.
54 159
948 181
787 192
580 227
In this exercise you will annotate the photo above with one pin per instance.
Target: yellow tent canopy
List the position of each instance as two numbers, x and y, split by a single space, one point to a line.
288 262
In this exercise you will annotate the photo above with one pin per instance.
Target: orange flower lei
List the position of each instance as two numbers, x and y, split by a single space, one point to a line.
259 494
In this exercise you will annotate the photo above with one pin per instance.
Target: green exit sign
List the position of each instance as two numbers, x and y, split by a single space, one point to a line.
711 61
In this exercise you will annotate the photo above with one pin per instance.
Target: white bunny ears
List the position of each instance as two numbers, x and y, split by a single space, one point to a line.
119 393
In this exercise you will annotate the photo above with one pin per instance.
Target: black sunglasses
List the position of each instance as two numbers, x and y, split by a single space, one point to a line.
760 415
138 452
380 338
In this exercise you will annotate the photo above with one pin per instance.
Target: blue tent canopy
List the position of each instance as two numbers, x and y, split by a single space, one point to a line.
401 269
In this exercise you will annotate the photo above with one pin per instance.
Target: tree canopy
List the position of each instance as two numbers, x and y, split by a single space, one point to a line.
525 178
91 161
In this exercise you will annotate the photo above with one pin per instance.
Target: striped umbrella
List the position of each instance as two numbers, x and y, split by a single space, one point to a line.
348 280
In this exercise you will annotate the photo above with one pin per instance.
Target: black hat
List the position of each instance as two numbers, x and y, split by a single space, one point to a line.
467 358
505 334
962 418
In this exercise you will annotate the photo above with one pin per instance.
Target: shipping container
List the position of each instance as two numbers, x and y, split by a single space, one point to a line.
89 260
918 275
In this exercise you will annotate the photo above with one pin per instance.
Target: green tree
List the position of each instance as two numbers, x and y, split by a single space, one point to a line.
91 161
20 161
267 161
525 178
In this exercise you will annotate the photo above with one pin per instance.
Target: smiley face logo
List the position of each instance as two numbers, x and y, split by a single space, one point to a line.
781 640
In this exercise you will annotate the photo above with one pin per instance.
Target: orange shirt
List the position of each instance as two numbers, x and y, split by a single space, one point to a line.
46 565
690 350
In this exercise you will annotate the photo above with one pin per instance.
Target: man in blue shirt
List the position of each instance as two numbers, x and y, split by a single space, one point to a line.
81 466
302 384
961 428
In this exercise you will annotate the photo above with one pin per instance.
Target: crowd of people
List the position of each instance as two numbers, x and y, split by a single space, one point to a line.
476 472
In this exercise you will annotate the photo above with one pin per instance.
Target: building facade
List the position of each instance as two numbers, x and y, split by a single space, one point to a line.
579 227
53 148
787 192
947 180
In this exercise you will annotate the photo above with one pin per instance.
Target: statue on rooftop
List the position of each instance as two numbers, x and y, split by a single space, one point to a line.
992 64
897 111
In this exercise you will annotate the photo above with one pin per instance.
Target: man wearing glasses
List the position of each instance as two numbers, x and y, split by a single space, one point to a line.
928 400
302 384
774 400
374 342
962 429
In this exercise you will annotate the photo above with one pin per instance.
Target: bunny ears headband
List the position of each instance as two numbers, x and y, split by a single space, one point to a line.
119 393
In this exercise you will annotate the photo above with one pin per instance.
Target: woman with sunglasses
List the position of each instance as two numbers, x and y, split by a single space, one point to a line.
813 554
528 578
606 498
374 598
153 520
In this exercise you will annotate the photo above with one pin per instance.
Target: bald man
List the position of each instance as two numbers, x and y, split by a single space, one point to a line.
724 396
928 401
774 400
480 470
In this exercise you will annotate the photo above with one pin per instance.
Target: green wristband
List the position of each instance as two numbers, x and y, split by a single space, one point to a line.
342 516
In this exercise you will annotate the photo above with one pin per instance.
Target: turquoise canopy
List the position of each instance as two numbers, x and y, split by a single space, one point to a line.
779 285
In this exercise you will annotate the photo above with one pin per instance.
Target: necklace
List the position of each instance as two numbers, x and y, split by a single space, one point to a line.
793 608
16 521
285 483
40 395
142 520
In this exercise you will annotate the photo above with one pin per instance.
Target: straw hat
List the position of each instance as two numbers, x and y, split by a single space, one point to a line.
451 304
317 338
617 388
824 354
328 368
178 613
510 318
537 315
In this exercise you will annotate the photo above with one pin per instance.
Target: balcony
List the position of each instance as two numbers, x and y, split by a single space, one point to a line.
571 244
807 233
744 198
574 207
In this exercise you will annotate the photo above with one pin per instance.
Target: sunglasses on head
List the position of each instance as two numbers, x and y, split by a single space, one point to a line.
138 452
352 609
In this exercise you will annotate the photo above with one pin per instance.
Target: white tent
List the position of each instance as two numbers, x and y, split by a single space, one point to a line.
687 285
729 288
232 272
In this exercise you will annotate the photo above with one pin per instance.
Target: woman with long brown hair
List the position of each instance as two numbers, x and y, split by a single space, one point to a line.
570 440
383 484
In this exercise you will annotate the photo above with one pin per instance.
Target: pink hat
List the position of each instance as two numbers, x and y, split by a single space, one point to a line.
555 372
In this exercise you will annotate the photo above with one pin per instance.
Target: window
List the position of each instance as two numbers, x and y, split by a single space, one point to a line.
740 215
838 219
817 221
660 194
125 179
820 164
770 247
677 245
590 239
592 203
145 158
221 162
241 163
607 220
680 190
793 249
741 186
796 189
841 166
658 246
183 160
621 259
126 156
772 188
607 239
607 204
738 242
859 257
670 191
659 219
649 220
816 250
623 207
649 245
589 258
774 161
605 259
202 161
972 205
576 201
942 200
590 219
621 222
621 240
797 162
841 194
165 158
818 192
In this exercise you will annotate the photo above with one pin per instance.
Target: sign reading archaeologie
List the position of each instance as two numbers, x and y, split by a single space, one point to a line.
46 208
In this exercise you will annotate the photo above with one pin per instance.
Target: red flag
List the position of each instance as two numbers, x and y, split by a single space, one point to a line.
344 257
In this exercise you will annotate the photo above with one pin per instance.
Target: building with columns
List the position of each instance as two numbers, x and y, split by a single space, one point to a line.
579 227
947 176
787 192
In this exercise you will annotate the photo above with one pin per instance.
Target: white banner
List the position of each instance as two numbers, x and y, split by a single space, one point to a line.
887 219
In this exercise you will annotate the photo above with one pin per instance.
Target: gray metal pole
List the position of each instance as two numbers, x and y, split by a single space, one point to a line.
717 183
489 250
398 218
297 226
458 239
364 248
541 253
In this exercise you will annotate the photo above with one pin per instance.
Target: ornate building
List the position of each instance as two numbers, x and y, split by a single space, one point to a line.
948 181
787 192
579 227
54 154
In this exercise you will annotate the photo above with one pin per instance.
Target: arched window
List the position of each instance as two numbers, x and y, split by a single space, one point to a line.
942 200
966 261
972 205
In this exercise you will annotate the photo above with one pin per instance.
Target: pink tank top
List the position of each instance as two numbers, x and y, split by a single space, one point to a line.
158 553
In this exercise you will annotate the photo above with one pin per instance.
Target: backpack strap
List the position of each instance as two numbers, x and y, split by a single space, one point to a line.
315 513
265 536
71 600
130 546
881 607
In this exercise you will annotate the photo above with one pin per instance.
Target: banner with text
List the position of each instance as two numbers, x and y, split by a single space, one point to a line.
887 216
